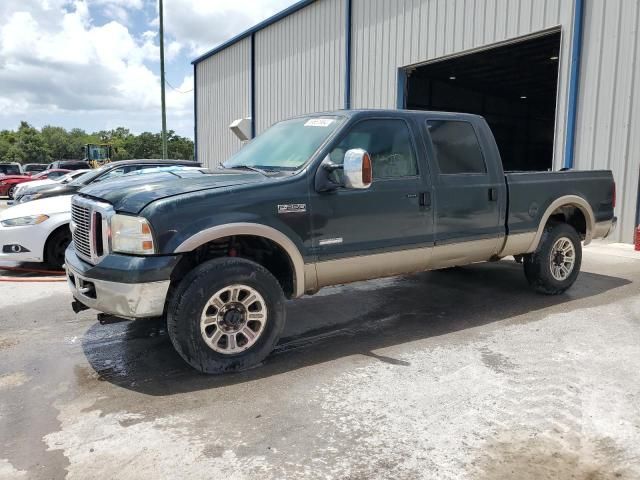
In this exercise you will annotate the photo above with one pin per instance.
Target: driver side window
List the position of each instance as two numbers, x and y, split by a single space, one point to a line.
387 141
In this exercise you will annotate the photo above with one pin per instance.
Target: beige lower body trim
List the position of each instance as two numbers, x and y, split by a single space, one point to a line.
604 229
388 264
366 267
518 244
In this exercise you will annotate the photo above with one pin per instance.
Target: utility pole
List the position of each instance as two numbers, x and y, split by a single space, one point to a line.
162 83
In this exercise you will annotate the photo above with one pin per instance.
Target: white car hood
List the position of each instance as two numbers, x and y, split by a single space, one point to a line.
34 183
46 206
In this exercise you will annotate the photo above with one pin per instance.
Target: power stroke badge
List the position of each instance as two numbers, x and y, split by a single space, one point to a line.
292 208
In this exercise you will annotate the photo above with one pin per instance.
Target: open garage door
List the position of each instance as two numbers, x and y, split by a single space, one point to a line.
513 86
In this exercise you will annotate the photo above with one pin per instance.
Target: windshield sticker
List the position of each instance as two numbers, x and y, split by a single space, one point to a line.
319 122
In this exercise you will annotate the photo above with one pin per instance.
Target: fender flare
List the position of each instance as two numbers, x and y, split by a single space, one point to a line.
256 230
566 201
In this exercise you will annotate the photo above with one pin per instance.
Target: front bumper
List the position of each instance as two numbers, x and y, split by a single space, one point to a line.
129 300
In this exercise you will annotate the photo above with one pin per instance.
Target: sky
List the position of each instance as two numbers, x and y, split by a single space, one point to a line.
94 64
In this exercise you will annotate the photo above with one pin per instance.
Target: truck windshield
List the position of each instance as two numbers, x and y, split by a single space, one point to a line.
287 145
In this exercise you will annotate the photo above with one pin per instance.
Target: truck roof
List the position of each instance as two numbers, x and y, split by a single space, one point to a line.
394 112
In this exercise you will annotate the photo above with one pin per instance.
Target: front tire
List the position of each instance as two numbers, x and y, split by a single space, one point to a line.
56 245
11 192
554 266
226 315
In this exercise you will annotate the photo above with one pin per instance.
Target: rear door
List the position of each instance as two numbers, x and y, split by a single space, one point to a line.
469 192
387 221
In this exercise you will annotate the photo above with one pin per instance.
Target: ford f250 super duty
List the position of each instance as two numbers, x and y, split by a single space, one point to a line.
321 200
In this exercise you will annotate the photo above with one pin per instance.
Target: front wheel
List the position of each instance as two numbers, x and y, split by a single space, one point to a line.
11 192
226 315
555 265
56 245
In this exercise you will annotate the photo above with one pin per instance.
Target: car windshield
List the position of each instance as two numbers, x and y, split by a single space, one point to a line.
90 176
287 145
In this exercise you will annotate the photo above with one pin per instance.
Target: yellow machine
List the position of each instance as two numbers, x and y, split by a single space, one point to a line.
98 154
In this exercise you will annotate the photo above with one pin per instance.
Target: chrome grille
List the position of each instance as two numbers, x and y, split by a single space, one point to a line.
81 217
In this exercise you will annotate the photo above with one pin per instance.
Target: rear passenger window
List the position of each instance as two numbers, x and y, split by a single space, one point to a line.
389 144
456 147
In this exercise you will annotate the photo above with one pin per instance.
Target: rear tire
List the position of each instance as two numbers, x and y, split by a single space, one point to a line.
226 315
56 245
555 265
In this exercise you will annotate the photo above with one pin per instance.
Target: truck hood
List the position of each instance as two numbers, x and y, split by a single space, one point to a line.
132 194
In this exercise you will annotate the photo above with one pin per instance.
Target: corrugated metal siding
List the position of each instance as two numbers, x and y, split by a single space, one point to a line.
300 63
389 34
224 86
608 132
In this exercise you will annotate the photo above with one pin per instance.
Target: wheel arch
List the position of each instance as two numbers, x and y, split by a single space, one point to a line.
252 230
556 208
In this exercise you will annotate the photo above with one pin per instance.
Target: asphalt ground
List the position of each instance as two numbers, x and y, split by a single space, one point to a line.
459 374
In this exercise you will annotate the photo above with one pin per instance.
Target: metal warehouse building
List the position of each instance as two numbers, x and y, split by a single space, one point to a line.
554 78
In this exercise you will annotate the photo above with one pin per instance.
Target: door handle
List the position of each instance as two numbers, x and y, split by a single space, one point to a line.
425 199
493 194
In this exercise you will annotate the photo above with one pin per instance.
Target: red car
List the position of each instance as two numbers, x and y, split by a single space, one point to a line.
8 182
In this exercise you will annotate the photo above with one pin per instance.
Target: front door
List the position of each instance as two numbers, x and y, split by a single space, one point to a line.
383 230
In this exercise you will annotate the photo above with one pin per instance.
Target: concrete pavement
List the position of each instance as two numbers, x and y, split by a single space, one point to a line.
458 374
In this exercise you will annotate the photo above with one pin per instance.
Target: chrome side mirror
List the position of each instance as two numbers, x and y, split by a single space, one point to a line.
358 172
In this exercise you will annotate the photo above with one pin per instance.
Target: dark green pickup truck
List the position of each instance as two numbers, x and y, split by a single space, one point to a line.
321 200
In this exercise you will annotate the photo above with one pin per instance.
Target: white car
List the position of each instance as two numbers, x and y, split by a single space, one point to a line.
22 189
37 231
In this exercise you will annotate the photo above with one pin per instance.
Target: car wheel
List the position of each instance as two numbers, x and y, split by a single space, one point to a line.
226 315
56 245
11 192
555 265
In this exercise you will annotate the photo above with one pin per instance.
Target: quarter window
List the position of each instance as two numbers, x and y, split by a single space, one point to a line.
388 142
456 147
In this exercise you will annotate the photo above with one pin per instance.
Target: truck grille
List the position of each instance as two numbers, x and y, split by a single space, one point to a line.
81 217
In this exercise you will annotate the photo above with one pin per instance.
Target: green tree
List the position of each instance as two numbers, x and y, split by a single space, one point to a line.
31 144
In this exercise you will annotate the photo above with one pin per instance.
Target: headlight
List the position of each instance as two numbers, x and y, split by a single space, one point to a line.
131 235
24 221
28 198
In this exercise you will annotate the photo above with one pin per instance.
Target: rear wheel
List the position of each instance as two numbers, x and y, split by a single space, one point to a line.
56 245
226 315
555 265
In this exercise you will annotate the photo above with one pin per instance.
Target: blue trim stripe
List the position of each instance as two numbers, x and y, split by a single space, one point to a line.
347 75
574 84
262 25
195 113
401 94
253 85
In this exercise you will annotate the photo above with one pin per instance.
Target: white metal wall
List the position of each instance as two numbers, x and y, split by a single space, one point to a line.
608 133
223 84
388 35
300 63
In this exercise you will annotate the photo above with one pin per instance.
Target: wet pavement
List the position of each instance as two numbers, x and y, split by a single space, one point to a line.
464 373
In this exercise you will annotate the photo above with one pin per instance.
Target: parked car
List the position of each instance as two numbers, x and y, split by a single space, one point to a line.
25 188
10 169
322 200
105 172
9 183
70 164
38 231
33 168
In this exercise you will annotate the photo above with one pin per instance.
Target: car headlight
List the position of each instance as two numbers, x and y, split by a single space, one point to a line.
24 221
28 198
131 235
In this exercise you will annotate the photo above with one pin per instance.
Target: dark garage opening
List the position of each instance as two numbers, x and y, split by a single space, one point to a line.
513 86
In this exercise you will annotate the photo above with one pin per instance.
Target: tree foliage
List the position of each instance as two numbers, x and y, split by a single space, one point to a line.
30 145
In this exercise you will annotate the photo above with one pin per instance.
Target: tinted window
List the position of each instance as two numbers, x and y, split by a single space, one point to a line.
456 147
388 142
10 170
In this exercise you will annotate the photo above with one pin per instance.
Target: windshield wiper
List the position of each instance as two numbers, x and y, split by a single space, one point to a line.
248 167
